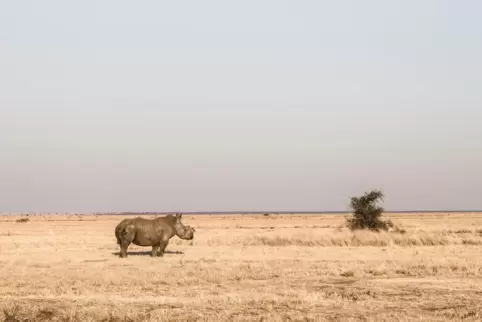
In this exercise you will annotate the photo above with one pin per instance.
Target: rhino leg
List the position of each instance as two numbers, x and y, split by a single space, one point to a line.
162 248
123 250
155 249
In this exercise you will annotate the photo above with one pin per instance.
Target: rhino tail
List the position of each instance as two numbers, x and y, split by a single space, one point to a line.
118 232
121 231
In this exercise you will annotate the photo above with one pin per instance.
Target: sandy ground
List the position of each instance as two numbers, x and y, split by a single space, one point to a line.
244 268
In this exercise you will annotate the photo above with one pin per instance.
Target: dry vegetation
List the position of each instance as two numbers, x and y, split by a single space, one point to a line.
244 268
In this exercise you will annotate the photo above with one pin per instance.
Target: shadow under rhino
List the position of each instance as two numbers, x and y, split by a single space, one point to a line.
148 253
151 232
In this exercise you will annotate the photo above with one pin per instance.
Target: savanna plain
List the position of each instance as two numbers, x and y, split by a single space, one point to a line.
244 268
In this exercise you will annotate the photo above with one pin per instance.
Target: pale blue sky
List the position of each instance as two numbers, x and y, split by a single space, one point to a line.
247 105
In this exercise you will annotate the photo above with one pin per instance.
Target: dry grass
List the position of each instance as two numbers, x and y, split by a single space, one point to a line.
244 268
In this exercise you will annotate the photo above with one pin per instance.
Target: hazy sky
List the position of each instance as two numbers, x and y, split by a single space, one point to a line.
246 105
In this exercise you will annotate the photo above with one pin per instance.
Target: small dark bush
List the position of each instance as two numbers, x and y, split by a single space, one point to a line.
22 220
12 315
366 213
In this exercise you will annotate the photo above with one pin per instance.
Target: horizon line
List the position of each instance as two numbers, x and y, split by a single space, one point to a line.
233 212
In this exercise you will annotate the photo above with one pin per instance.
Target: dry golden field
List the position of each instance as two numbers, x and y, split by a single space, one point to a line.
244 268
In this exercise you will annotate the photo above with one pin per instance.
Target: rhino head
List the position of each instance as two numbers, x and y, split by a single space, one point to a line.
183 232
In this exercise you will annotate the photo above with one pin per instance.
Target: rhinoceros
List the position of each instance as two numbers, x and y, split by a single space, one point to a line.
151 232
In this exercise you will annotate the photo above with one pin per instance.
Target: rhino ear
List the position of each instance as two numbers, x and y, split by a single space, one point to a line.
178 216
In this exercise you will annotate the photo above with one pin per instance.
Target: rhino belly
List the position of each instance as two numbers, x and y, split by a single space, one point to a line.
146 238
